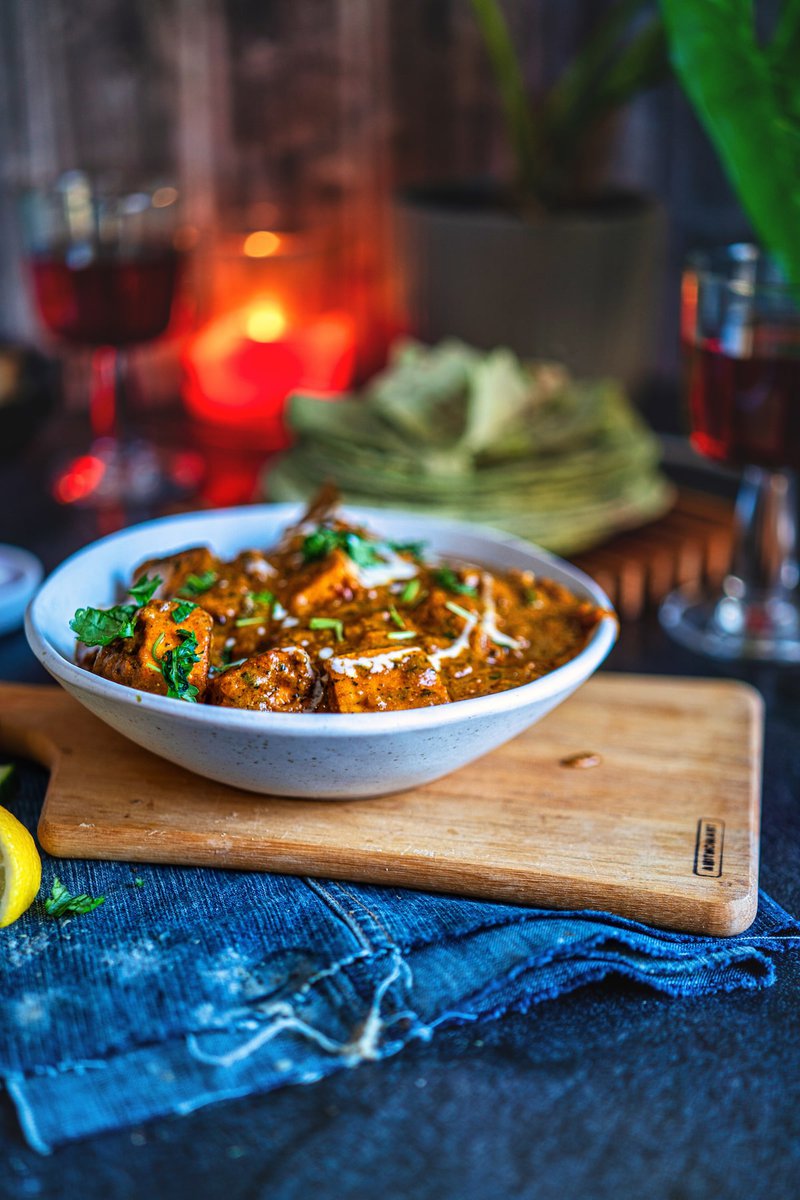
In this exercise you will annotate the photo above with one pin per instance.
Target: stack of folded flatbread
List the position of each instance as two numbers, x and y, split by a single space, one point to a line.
456 432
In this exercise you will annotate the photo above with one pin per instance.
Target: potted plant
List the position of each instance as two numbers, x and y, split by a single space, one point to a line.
556 264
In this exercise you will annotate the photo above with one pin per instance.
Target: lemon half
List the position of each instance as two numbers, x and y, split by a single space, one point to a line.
20 868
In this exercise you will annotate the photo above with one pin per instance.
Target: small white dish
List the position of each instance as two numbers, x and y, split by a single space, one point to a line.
20 575
319 755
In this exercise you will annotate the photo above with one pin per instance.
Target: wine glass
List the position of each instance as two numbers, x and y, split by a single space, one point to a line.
105 264
740 328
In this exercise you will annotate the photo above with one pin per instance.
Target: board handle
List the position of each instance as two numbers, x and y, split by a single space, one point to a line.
34 723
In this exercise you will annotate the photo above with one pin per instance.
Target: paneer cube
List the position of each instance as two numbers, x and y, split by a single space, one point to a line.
320 582
280 680
136 661
175 569
386 680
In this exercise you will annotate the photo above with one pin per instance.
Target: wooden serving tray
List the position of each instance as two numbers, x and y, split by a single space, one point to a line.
663 828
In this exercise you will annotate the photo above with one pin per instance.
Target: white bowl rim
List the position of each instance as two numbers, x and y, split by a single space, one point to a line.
301 725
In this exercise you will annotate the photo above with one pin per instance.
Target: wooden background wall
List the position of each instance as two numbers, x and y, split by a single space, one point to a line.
271 111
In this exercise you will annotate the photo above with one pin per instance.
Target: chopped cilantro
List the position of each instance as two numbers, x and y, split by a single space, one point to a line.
266 598
532 597
415 550
395 616
410 591
60 903
195 585
183 610
176 666
99 626
323 541
328 623
144 589
226 666
138 882
364 553
448 579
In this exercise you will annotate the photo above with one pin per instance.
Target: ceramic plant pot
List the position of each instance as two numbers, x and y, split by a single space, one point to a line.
580 287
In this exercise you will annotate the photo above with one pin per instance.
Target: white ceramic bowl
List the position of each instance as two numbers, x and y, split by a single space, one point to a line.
320 755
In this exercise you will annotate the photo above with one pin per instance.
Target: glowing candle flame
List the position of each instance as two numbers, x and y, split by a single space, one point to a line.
266 323
261 244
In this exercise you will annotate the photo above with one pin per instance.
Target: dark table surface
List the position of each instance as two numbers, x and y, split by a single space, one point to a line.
608 1092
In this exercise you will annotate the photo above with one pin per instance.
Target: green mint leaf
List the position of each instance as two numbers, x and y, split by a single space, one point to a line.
144 589
448 579
328 623
61 903
99 626
176 666
182 611
195 585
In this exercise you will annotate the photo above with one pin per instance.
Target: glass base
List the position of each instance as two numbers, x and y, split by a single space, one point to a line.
723 626
127 475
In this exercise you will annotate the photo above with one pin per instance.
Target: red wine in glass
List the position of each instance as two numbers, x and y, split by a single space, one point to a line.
744 411
108 300
740 324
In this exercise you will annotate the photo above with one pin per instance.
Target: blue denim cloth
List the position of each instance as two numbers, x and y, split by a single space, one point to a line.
199 985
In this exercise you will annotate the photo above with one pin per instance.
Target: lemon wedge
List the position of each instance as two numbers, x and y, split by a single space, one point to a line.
20 868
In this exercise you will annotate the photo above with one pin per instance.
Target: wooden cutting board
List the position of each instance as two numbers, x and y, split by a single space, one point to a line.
663 827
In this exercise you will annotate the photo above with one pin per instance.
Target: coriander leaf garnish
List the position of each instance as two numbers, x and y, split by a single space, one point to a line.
99 626
144 589
265 598
448 579
227 666
176 665
328 623
415 550
323 541
395 616
183 610
61 903
195 585
532 597
410 591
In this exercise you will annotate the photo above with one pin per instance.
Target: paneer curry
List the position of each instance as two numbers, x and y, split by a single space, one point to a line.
332 619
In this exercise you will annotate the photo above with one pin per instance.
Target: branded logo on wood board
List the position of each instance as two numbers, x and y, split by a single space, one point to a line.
708 848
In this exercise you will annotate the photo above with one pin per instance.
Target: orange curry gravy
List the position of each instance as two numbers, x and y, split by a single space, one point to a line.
336 619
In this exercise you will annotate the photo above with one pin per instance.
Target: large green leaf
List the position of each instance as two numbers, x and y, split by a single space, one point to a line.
748 98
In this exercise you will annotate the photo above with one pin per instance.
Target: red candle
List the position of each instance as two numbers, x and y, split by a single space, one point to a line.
242 366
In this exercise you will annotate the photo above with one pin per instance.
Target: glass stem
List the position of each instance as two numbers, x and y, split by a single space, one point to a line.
764 562
102 396
107 394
